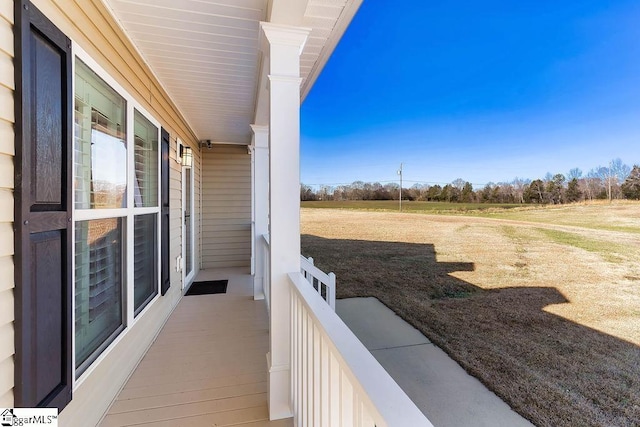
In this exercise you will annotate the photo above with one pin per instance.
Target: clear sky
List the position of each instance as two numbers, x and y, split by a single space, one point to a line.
480 90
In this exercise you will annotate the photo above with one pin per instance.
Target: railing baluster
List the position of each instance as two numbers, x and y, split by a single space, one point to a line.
295 357
316 375
300 363
331 291
325 384
335 392
266 269
310 384
336 381
357 420
366 417
347 400
305 367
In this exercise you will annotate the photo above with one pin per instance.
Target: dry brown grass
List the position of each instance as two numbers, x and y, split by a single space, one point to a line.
547 316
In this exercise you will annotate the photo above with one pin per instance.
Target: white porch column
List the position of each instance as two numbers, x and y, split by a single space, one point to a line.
260 186
285 44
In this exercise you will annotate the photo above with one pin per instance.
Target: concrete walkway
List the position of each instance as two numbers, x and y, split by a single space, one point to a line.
445 393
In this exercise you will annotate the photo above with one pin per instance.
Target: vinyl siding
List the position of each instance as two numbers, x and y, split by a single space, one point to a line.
89 24
226 207
7 86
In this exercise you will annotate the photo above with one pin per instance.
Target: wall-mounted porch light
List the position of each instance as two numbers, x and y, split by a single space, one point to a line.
185 157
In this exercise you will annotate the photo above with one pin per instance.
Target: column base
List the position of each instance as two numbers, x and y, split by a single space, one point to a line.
279 391
258 288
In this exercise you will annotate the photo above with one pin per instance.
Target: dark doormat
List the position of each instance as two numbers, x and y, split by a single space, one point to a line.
208 287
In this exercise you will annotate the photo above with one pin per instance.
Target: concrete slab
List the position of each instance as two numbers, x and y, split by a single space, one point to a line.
443 391
446 394
375 325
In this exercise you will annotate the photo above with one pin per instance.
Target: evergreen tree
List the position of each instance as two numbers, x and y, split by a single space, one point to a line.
534 193
573 193
631 185
467 192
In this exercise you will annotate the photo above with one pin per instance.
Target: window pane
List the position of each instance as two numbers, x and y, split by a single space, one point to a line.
146 162
145 260
98 285
100 143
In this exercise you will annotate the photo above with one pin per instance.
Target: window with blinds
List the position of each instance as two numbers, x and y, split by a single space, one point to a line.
116 242
98 290
146 161
100 152
145 254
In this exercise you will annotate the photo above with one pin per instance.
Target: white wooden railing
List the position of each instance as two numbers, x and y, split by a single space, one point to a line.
335 380
266 268
323 283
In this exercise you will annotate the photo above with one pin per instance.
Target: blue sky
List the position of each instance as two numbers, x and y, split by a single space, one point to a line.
479 90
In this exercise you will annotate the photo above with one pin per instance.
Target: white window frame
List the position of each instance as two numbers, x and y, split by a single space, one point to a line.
129 319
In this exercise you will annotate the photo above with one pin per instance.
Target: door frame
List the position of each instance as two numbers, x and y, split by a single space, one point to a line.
187 279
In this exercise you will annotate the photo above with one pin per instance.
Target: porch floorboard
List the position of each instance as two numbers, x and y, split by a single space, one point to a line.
207 366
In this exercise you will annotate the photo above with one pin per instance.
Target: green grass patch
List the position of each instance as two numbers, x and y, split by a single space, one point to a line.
595 217
510 231
611 252
408 206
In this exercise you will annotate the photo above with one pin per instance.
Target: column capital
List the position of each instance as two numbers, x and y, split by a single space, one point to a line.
260 136
260 129
283 35
285 79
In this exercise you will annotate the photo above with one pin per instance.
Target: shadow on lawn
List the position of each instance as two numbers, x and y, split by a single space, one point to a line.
551 370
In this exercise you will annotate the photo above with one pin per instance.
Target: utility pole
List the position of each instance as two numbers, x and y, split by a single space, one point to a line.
610 177
400 173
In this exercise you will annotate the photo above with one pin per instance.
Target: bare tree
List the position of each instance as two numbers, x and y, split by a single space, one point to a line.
307 193
518 186
591 185
575 173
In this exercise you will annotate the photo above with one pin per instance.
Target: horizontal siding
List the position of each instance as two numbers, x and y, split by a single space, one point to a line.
6 335
226 207
6 29
6 171
7 136
7 150
6 307
6 272
6 373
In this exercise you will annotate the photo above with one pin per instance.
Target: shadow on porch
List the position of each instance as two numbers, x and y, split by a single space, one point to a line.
206 367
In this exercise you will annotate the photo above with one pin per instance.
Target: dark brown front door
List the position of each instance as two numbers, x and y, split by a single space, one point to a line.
43 370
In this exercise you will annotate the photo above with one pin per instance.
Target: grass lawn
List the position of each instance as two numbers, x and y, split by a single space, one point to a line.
542 305
407 206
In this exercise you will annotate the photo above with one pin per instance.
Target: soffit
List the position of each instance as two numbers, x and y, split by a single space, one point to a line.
206 53
328 20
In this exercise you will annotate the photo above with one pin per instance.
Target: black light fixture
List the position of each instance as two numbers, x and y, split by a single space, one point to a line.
184 155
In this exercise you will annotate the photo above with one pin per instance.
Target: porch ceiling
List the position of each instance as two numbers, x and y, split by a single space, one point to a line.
206 53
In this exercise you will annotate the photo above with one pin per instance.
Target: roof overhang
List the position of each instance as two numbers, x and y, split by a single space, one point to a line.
206 54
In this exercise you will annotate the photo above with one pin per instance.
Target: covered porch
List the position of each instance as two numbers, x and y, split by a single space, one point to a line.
272 348
119 344
207 366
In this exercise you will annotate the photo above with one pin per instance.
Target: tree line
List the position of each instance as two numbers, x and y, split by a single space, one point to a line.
616 181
